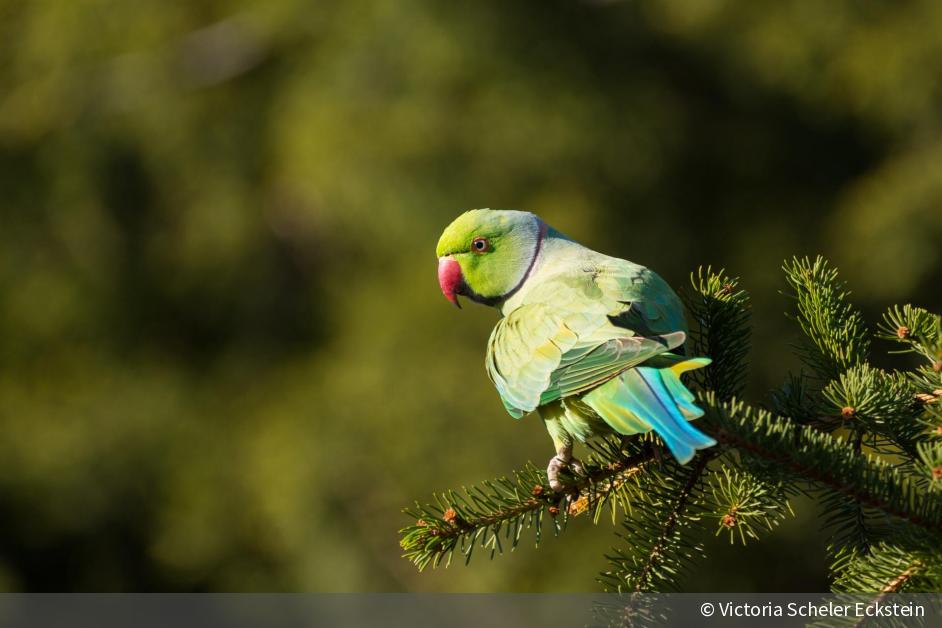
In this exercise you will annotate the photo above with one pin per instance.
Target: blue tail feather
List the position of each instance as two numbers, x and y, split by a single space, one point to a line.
682 396
658 398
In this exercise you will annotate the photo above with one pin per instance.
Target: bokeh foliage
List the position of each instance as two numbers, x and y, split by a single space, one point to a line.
224 363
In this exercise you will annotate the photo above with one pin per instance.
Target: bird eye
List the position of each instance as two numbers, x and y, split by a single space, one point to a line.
480 245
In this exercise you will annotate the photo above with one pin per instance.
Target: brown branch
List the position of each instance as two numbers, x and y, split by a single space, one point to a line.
896 583
860 519
893 586
667 529
863 497
597 482
670 523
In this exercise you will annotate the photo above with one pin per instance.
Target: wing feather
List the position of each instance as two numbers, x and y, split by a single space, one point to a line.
535 357
579 331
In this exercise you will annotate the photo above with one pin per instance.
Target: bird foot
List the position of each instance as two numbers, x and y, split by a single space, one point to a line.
557 464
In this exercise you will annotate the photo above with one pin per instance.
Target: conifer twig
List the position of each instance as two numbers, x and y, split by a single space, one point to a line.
813 455
670 523
477 514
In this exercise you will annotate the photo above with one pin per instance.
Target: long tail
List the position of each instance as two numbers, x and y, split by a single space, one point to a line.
646 398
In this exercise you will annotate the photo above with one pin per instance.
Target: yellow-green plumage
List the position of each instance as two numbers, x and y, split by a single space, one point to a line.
588 340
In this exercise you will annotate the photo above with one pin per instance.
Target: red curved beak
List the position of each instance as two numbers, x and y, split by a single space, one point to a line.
449 278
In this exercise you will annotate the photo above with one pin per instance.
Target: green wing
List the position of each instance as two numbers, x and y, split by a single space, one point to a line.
537 355
651 306
581 334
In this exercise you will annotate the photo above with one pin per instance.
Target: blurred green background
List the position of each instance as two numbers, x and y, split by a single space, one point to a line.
224 360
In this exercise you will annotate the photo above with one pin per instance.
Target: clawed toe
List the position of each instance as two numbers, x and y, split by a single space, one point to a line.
576 465
557 464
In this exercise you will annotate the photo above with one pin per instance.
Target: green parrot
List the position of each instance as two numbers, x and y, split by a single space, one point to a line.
585 339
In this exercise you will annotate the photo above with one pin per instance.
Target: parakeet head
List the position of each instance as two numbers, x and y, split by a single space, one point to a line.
486 254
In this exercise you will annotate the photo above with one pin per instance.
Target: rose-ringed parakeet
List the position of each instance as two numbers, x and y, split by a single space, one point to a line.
589 341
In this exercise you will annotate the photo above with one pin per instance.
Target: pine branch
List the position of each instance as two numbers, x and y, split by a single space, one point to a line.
835 335
664 503
897 583
801 402
930 457
881 408
892 569
803 453
657 556
878 409
719 311
848 520
745 504
481 515
918 330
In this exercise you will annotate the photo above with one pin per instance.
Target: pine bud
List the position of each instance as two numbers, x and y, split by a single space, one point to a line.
450 515
553 510
847 412
579 506
902 332
537 490
937 473
937 366
729 520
